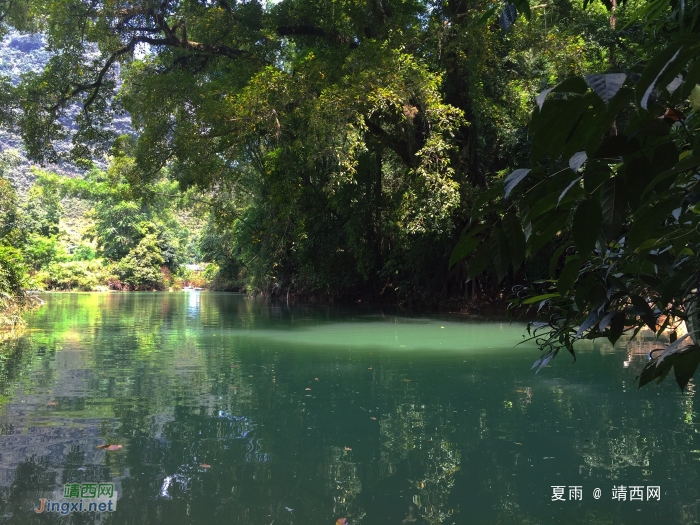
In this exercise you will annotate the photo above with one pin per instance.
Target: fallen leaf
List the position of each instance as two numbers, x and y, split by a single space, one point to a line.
110 447
308 389
406 380
348 448
204 465
315 378
370 368
52 403
517 443
250 376
341 521
374 418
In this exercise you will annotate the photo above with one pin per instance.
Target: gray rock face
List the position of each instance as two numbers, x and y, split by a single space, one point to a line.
26 53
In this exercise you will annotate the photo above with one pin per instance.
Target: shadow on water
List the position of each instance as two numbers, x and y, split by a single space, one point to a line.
230 410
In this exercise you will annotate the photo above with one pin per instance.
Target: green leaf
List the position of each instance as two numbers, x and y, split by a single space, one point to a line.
648 218
617 146
544 230
607 85
508 16
479 262
514 179
645 312
554 261
616 327
613 203
590 321
466 244
694 97
665 65
488 14
539 298
499 253
569 274
484 197
523 7
587 221
577 160
516 239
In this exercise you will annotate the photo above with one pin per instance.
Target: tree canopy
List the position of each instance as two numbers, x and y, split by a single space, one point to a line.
339 147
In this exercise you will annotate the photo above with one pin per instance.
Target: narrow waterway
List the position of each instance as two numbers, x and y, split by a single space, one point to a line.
225 409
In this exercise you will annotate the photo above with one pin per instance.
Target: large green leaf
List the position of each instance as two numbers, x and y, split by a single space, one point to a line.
466 244
507 17
479 262
544 230
514 179
568 275
664 66
644 311
539 298
499 252
648 218
613 203
587 221
686 365
616 327
607 85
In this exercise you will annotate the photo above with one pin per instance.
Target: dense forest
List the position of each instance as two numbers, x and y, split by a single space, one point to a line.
450 154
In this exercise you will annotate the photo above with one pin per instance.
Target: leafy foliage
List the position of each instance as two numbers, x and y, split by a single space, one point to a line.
627 226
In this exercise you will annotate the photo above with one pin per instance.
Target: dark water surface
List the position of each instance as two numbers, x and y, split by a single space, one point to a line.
304 415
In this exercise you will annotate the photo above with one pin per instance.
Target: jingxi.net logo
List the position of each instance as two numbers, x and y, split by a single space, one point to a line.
80 497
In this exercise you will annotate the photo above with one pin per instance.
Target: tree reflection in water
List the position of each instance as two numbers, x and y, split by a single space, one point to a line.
225 415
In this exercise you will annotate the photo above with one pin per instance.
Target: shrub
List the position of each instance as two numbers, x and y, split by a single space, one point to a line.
80 275
141 268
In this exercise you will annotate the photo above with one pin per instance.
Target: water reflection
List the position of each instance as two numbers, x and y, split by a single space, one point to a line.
232 409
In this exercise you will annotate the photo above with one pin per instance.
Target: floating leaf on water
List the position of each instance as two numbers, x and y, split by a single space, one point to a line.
315 378
110 447
308 389
204 465
373 418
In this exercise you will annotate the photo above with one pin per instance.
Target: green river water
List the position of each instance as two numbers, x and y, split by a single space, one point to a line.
235 410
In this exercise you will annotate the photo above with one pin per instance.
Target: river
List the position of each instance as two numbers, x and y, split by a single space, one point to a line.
225 409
